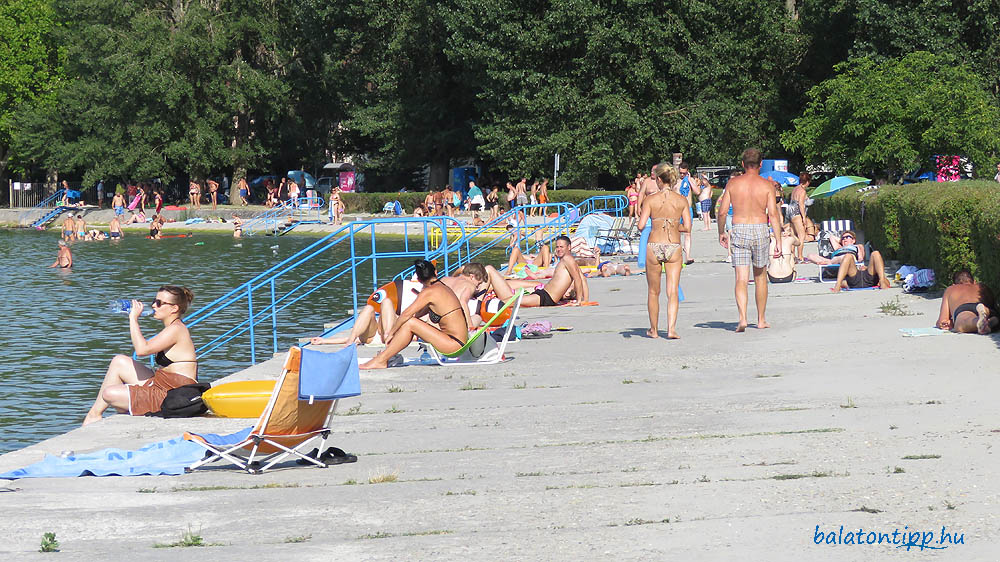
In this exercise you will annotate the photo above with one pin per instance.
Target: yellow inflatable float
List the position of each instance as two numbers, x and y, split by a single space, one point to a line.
240 399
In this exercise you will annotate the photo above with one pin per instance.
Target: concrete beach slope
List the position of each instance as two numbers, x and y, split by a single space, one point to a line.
596 444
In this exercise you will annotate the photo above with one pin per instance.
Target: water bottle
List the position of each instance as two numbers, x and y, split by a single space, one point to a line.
124 306
425 357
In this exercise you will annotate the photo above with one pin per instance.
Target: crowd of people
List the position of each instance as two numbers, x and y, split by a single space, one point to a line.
764 244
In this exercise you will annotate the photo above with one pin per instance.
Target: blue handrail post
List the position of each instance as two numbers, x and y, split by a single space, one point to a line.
274 319
354 272
253 347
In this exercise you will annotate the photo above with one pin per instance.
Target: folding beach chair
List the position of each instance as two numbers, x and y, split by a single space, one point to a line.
298 412
623 230
482 349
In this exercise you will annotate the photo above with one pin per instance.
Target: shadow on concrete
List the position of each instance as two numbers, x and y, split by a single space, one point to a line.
635 333
716 325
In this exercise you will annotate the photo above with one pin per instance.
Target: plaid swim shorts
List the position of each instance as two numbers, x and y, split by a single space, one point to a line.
750 244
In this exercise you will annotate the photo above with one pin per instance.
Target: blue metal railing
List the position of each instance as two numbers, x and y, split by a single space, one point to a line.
51 198
302 210
263 301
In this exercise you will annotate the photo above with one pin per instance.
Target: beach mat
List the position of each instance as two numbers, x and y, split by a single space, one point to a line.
169 457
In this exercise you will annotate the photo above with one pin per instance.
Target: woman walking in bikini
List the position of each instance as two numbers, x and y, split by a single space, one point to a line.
664 211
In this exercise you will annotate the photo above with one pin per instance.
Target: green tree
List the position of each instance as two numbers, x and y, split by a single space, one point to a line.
161 88
411 106
617 86
29 63
894 115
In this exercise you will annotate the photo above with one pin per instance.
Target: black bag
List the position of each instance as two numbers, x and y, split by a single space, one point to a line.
183 402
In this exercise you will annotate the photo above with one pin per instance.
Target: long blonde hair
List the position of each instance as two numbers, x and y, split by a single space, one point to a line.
666 174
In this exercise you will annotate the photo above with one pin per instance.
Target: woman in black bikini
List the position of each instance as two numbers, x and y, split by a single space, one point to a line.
130 386
439 302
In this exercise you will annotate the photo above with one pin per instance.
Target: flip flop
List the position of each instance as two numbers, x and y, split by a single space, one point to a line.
334 455
563 329
395 361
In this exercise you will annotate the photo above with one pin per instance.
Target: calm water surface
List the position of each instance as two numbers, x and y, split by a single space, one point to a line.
58 335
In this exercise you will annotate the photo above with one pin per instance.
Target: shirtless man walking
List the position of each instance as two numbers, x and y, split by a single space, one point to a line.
752 198
967 307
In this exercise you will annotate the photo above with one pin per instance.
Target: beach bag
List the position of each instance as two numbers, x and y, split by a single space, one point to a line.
183 402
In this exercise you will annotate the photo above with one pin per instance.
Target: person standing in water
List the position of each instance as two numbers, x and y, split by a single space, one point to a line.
131 386
64 258
752 199
665 210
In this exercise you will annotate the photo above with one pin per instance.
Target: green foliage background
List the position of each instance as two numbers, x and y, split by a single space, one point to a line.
136 89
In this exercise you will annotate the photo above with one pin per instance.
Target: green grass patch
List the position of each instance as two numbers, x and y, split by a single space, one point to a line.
473 386
297 539
49 543
920 457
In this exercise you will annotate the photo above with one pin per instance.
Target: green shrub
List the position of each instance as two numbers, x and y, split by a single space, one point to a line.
943 226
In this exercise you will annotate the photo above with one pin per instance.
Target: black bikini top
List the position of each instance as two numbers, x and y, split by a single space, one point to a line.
164 361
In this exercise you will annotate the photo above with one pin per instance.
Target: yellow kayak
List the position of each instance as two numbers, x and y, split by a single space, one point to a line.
240 399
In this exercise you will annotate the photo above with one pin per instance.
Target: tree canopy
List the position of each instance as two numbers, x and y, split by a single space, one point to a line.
897 113
171 88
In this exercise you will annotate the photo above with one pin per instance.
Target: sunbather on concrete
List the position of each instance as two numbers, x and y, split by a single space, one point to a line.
378 315
968 307
607 269
567 275
843 244
852 276
467 283
439 302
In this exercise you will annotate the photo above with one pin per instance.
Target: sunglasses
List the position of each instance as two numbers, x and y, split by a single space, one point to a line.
848 236
158 303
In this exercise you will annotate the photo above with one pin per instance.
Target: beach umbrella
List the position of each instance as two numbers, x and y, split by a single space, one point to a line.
784 178
829 187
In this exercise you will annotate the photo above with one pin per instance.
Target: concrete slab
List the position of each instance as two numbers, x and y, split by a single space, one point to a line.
596 443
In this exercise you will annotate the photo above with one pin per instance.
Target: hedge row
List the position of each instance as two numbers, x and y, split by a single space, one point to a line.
944 226
375 202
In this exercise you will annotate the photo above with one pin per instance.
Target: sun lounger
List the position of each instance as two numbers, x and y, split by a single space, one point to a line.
481 348
298 412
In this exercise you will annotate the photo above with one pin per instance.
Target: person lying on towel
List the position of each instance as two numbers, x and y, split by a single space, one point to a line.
129 386
437 301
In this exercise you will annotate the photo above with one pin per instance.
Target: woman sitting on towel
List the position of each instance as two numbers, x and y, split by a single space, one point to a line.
437 301
129 386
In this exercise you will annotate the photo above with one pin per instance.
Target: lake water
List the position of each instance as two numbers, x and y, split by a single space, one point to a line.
58 335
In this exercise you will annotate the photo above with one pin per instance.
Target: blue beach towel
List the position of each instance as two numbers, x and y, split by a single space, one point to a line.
169 457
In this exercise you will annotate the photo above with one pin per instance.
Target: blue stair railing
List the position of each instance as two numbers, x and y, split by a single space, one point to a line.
301 210
51 199
259 299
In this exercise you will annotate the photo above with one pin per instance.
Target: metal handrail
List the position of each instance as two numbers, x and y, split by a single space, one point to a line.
45 202
269 219
265 282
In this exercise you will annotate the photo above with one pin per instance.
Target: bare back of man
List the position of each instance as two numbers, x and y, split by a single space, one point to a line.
968 307
752 199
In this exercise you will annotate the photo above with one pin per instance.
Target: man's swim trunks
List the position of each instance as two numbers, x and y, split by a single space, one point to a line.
116 234
968 307
862 279
119 210
706 205
750 244
544 297
660 251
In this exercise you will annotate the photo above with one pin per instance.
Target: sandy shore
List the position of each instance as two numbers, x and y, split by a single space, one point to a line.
595 444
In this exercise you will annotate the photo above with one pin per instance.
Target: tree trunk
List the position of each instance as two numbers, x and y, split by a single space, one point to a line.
438 176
